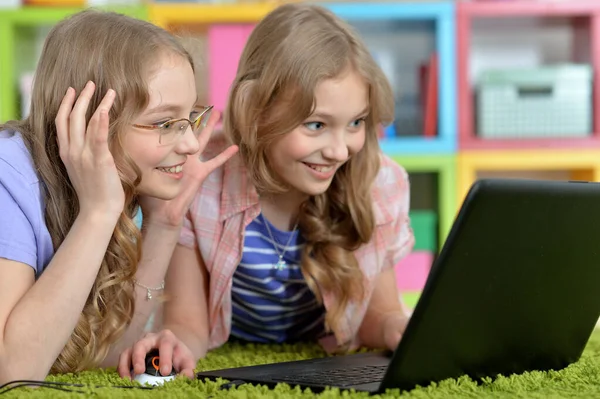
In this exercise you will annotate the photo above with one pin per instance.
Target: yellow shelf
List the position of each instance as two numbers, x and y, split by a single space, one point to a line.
581 164
165 15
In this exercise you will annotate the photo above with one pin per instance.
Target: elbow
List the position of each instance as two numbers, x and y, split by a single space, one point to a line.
18 371
17 366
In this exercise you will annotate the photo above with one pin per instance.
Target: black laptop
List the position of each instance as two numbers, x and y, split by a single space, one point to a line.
515 288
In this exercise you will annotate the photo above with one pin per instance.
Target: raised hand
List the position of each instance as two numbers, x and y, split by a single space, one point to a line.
84 151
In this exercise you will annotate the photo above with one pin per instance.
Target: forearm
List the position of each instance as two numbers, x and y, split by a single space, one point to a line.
384 301
371 332
157 248
43 320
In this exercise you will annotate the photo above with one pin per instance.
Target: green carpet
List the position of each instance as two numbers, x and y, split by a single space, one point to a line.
581 380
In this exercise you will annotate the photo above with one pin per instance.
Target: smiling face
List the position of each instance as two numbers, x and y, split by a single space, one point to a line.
307 158
172 95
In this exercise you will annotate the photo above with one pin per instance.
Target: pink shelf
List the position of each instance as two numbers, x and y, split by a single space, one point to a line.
570 8
412 271
476 143
225 43
577 10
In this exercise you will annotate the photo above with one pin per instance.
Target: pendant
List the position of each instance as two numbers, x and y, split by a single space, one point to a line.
281 264
148 295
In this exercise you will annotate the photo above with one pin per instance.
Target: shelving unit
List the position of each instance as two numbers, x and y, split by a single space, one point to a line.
442 167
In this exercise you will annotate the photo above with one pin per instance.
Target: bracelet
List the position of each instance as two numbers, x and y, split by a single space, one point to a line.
150 289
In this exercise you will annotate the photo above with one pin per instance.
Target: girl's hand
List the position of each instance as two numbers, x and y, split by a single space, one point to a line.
393 326
84 151
170 213
173 354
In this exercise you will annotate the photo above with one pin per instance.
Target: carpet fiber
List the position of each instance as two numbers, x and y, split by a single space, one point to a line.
580 380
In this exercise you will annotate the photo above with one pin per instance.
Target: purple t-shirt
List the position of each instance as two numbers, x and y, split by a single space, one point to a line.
24 236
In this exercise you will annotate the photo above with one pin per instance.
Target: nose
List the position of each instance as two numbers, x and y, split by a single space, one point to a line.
188 143
337 148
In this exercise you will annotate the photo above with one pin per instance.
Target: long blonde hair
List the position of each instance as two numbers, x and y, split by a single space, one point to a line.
113 51
288 53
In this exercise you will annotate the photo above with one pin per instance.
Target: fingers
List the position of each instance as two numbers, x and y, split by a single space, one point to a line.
220 159
191 188
77 122
205 134
97 132
139 352
62 122
124 367
394 340
183 362
165 349
173 354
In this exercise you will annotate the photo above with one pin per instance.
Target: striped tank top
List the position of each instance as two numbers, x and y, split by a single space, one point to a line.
273 304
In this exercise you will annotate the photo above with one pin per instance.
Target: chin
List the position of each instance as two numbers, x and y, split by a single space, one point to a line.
315 189
161 193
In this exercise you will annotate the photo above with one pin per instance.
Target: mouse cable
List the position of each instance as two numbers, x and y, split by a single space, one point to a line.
61 386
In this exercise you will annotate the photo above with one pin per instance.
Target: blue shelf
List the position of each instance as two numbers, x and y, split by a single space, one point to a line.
442 14
418 145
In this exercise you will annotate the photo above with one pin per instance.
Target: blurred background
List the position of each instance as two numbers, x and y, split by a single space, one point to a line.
483 88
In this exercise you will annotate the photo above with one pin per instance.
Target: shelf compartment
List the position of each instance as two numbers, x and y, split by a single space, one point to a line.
538 164
574 25
444 168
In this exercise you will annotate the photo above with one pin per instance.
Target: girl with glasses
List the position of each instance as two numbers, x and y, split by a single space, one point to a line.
114 126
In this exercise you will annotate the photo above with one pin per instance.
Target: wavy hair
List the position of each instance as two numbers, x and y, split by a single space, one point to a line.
118 52
288 53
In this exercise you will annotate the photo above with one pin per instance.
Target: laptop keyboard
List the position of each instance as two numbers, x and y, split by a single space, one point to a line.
337 377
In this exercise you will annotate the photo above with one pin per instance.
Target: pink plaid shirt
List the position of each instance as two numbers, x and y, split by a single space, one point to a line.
227 202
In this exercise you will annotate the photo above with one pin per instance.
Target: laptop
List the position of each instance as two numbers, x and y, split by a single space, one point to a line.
515 288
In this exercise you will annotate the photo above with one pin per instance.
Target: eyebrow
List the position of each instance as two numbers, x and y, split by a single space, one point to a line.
325 115
167 107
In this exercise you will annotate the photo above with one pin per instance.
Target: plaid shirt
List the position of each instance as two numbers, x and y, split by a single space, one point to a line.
227 202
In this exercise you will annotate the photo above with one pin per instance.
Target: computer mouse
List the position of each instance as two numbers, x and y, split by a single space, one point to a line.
152 374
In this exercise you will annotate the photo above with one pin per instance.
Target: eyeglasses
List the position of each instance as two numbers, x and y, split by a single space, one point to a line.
172 130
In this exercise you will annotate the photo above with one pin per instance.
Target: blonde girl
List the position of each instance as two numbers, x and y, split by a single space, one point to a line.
114 125
296 237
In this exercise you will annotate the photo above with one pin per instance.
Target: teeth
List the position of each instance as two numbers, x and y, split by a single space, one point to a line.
174 169
321 169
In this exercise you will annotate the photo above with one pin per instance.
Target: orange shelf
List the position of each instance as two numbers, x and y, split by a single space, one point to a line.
580 164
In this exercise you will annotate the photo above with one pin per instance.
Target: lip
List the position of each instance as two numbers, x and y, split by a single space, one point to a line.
171 166
321 175
176 176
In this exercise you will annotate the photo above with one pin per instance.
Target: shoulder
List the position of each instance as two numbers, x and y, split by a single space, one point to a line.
16 164
391 191
22 229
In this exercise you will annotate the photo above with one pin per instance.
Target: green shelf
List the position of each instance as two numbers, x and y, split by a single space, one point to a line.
21 22
445 168
410 298
424 225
